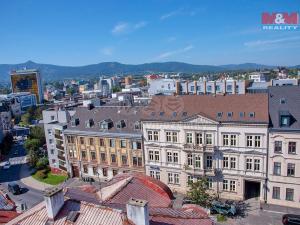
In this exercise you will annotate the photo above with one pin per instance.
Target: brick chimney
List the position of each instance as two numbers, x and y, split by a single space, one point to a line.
54 199
138 211
195 89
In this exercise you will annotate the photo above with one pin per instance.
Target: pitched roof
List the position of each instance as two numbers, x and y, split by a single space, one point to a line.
217 108
284 99
130 115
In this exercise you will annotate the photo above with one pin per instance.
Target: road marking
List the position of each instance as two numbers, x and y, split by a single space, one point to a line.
274 211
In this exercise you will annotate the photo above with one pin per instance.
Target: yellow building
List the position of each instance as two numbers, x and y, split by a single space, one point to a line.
102 142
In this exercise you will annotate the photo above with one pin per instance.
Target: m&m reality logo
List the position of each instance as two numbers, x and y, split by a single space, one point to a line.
280 21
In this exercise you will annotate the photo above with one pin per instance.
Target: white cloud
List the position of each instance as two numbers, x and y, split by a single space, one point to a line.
120 28
170 14
108 51
264 43
180 11
168 54
125 27
140 25
171 39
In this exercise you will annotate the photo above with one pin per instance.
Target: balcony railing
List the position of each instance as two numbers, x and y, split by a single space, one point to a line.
58 136
193 147
62 168
61 157
60 147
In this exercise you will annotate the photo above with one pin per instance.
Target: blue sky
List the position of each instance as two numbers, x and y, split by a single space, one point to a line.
73 32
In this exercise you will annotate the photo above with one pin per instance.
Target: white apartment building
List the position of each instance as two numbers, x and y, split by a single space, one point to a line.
223 138
284 146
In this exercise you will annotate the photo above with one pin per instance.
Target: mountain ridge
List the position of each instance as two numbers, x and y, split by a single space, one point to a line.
58 72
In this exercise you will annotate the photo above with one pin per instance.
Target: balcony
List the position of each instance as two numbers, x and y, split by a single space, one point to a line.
61 157
58 136
62 168
245 150
60 147
200 148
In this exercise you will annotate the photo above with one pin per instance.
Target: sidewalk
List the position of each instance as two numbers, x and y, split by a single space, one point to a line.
280 209
29 181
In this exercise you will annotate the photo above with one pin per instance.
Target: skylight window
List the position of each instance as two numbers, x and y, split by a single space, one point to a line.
251 114
174 114
162 113
229 114
242 114
282 101
219 114
184 114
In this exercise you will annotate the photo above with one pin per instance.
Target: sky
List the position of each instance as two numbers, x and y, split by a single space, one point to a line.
206 32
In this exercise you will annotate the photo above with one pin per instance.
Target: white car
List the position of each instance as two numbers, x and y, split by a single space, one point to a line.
6 165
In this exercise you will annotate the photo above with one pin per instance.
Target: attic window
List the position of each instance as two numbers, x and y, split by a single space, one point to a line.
89 123
282 101
137 125
219 114
152 113
229 114
184 114
242 114
106 124
121 124
74 122
285 119
251 114
162 113
174 114
72 216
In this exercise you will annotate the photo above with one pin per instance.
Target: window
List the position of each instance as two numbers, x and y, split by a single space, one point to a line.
282 101
85 169
233 140
225 185
289 194
199 139
249 141
49 131
190 159
189 179
150 135
50 141
209 183
169 156
170 178
137 161
168 136
277 168
137 126
229 114
101 142
232 185
124 160
176 178
197 161
151 173
122 143
83 154
95 172
52 151
103 157
225 162
242 114
257 141
284 121
209 162
189 138
291 169
91 141
175 157
52 118
219 114
278 146
256 164
232 162
157 175
251 114
93 155
174 136
115 172
82 140
156 156
225 139
151 155
248 164
276 193
155 135
292 147
53 161
104 172
208 138
113 158
112 143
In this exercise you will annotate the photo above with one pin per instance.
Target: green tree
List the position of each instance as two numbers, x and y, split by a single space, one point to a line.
116 89
199 193
37 132
70 91
32 147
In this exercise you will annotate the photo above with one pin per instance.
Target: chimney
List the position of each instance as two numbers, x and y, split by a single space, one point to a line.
54 199
137 211
204 87
195 89
234 87
225 87
187 87
177 92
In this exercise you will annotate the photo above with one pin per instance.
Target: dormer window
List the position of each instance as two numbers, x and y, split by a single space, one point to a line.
162 113
74 122
251 114
89 123
242 114
282 101
121 124
285 119
219 114
229 114
184 114
137 125
174 114
106 124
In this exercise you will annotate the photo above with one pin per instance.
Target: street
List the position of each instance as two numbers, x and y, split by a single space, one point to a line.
18 170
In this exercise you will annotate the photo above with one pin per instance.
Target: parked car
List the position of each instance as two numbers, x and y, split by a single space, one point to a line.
223 208
291 219
6 165
14 188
